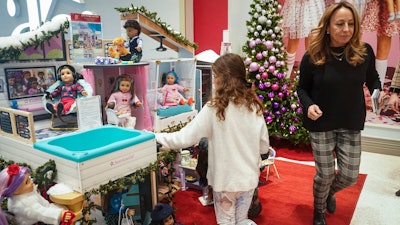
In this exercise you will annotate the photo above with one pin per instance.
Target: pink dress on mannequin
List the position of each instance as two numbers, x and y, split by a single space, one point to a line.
375 19
300 16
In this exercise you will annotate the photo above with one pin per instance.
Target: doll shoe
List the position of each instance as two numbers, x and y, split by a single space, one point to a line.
190 101
181 102
50 107
60 109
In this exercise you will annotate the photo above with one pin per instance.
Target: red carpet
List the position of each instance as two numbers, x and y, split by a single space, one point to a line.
285 149
301 154
285 201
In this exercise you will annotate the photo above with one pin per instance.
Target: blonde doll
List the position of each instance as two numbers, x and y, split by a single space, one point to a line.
120 102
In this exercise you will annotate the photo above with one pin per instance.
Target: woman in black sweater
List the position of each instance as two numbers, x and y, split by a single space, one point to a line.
332 74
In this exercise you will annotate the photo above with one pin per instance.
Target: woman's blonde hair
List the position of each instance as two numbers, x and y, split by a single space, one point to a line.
319 48
231 85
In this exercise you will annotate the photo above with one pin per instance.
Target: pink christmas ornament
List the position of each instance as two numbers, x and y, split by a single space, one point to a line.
275 87
264 75
272 59
254 66
252 44
261 69
271 69
280 95
247 61
258 77
268 45
265 53
259 56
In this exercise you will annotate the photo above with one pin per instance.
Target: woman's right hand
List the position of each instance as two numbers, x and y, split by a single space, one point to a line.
314 112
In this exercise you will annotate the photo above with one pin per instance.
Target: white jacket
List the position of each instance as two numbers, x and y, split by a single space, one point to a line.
234 145
31 208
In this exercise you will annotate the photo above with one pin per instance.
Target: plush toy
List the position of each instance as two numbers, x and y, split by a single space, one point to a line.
118 49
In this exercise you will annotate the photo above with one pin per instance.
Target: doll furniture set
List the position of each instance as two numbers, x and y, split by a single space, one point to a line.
102 77
164 116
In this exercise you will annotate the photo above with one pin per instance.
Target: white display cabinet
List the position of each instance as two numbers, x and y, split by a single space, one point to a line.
164 117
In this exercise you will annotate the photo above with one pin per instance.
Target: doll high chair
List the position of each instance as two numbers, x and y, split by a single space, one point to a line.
67 121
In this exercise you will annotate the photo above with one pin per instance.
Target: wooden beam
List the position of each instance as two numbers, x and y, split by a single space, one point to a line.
151 28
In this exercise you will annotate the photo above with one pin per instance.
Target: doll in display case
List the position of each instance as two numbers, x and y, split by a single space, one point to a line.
172 90
120 103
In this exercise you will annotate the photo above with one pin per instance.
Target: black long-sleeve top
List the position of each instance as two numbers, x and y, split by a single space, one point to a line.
337 88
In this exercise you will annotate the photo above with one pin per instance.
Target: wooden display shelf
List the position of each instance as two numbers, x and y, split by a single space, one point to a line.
152 30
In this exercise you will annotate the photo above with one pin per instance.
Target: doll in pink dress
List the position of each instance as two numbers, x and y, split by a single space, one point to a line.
171 90
121 101
299 17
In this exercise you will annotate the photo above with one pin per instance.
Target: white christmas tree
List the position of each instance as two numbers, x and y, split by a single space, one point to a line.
265 61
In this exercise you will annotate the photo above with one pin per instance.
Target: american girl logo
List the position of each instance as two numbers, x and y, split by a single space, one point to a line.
121 160
39 11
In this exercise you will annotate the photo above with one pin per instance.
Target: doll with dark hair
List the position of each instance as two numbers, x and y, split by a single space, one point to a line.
163 214
135 45
120 102
171 90
67 91
27 205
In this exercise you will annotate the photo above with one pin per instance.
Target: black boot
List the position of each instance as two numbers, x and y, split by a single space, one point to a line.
319 218
50 107
331 204
60 108
398 193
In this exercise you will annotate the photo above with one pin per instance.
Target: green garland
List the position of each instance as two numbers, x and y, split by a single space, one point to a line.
153 16
163 158
13 52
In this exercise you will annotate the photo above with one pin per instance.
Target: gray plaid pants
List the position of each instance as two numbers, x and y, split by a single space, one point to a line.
346 145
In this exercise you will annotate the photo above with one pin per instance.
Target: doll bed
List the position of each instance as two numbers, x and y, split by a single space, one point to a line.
67 124
168 116
167 111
